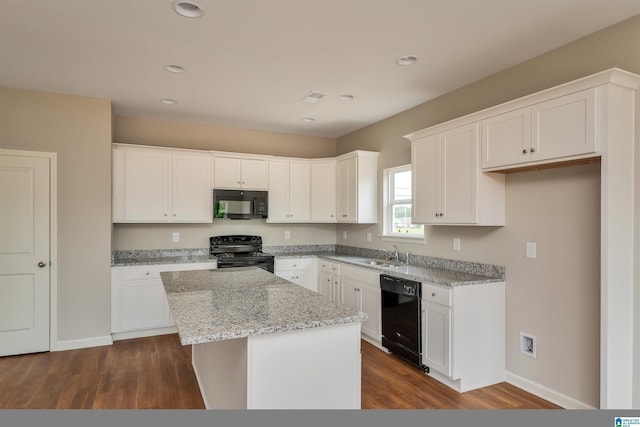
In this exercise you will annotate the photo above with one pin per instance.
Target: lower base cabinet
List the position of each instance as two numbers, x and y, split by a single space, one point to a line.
139 304
329 280
361 290
463 334
301 271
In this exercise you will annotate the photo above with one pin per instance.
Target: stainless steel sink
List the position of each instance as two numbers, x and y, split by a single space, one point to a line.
378 263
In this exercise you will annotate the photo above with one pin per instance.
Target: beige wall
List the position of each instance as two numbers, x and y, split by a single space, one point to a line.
79 130
556 296
172 133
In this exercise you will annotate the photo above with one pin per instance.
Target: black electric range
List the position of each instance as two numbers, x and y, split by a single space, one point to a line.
240 251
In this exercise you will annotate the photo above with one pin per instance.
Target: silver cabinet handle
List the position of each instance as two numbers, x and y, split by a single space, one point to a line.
42 264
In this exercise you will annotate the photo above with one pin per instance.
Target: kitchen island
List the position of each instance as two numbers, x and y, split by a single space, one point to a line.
262 342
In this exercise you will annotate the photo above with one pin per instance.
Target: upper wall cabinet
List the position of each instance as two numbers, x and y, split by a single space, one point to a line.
323 190
556 129
289 198
357 189
161 185
246 174
448 185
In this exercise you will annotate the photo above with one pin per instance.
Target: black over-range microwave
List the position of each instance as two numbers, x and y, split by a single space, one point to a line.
240 204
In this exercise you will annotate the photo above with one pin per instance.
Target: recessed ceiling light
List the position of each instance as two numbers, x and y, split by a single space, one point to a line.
406 60
346 97
188 9
175 68
308 119
168 101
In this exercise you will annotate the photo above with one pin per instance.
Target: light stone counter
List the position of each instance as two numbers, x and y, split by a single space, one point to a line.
214 305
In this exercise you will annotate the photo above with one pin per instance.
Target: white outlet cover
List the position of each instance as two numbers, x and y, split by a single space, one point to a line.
531 250
344 235
368 236
176 237
456 243
287 235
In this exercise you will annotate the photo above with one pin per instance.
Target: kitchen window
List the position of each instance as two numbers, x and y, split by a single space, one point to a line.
397 200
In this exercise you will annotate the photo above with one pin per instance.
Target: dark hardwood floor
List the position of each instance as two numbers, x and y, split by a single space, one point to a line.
155 372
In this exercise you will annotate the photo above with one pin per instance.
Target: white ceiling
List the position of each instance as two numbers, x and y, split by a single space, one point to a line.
250 62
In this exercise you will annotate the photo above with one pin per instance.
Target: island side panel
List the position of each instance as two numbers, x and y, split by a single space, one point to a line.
317 368
221 371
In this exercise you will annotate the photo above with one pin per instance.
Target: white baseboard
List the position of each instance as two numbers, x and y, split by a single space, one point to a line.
143 333
546 393
82 343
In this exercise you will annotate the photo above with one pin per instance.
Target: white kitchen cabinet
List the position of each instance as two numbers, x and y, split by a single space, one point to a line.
357 187
560 128
448 184
301 271
329 280
289 191
237 173
139 304
361 290
463 334
323 190
161 185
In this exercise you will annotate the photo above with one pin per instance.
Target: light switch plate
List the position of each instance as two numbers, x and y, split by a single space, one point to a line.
531 250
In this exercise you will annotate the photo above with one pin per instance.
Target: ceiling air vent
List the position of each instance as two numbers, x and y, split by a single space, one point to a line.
313 96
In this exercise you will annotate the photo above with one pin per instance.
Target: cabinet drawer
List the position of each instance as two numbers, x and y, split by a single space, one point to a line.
437 294
362 274
294 263
144 272
324 265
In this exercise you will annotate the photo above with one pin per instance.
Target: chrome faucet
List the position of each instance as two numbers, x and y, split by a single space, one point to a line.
395 254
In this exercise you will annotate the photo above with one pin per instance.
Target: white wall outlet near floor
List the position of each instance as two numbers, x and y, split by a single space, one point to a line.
456 243
528 344
531 250
344 235
176 237
287 235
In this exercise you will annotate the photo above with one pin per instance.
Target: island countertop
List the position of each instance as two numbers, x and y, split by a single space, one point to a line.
214 305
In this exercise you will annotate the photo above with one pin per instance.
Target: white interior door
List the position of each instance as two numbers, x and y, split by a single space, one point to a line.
24 254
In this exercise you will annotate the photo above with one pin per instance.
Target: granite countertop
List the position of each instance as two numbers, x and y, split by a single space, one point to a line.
214 305
161 256
420 273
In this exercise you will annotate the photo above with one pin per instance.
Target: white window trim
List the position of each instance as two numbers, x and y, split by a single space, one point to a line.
387 215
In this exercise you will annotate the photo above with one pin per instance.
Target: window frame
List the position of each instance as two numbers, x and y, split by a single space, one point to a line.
389 202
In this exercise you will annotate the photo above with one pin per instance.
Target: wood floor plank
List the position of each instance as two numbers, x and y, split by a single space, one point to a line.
156 373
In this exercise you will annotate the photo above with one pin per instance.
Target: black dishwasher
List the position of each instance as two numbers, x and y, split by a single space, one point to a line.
401 318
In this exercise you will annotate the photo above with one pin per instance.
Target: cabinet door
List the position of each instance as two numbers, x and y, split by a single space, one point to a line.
459 175
506 138
278 191
226 173
372 305
323 192
143 305
425 178
350 293
436 337
147 187
564 126
325 284
347 187
336 289
254 174
299 198
192 193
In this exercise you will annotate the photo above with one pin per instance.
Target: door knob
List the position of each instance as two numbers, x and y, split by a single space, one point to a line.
42 264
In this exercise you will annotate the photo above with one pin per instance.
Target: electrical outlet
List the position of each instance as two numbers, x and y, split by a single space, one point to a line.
176 236
368 236
531 250
344 235
287 235
456 243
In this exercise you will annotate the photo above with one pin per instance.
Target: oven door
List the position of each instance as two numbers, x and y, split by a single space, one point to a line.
265 264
